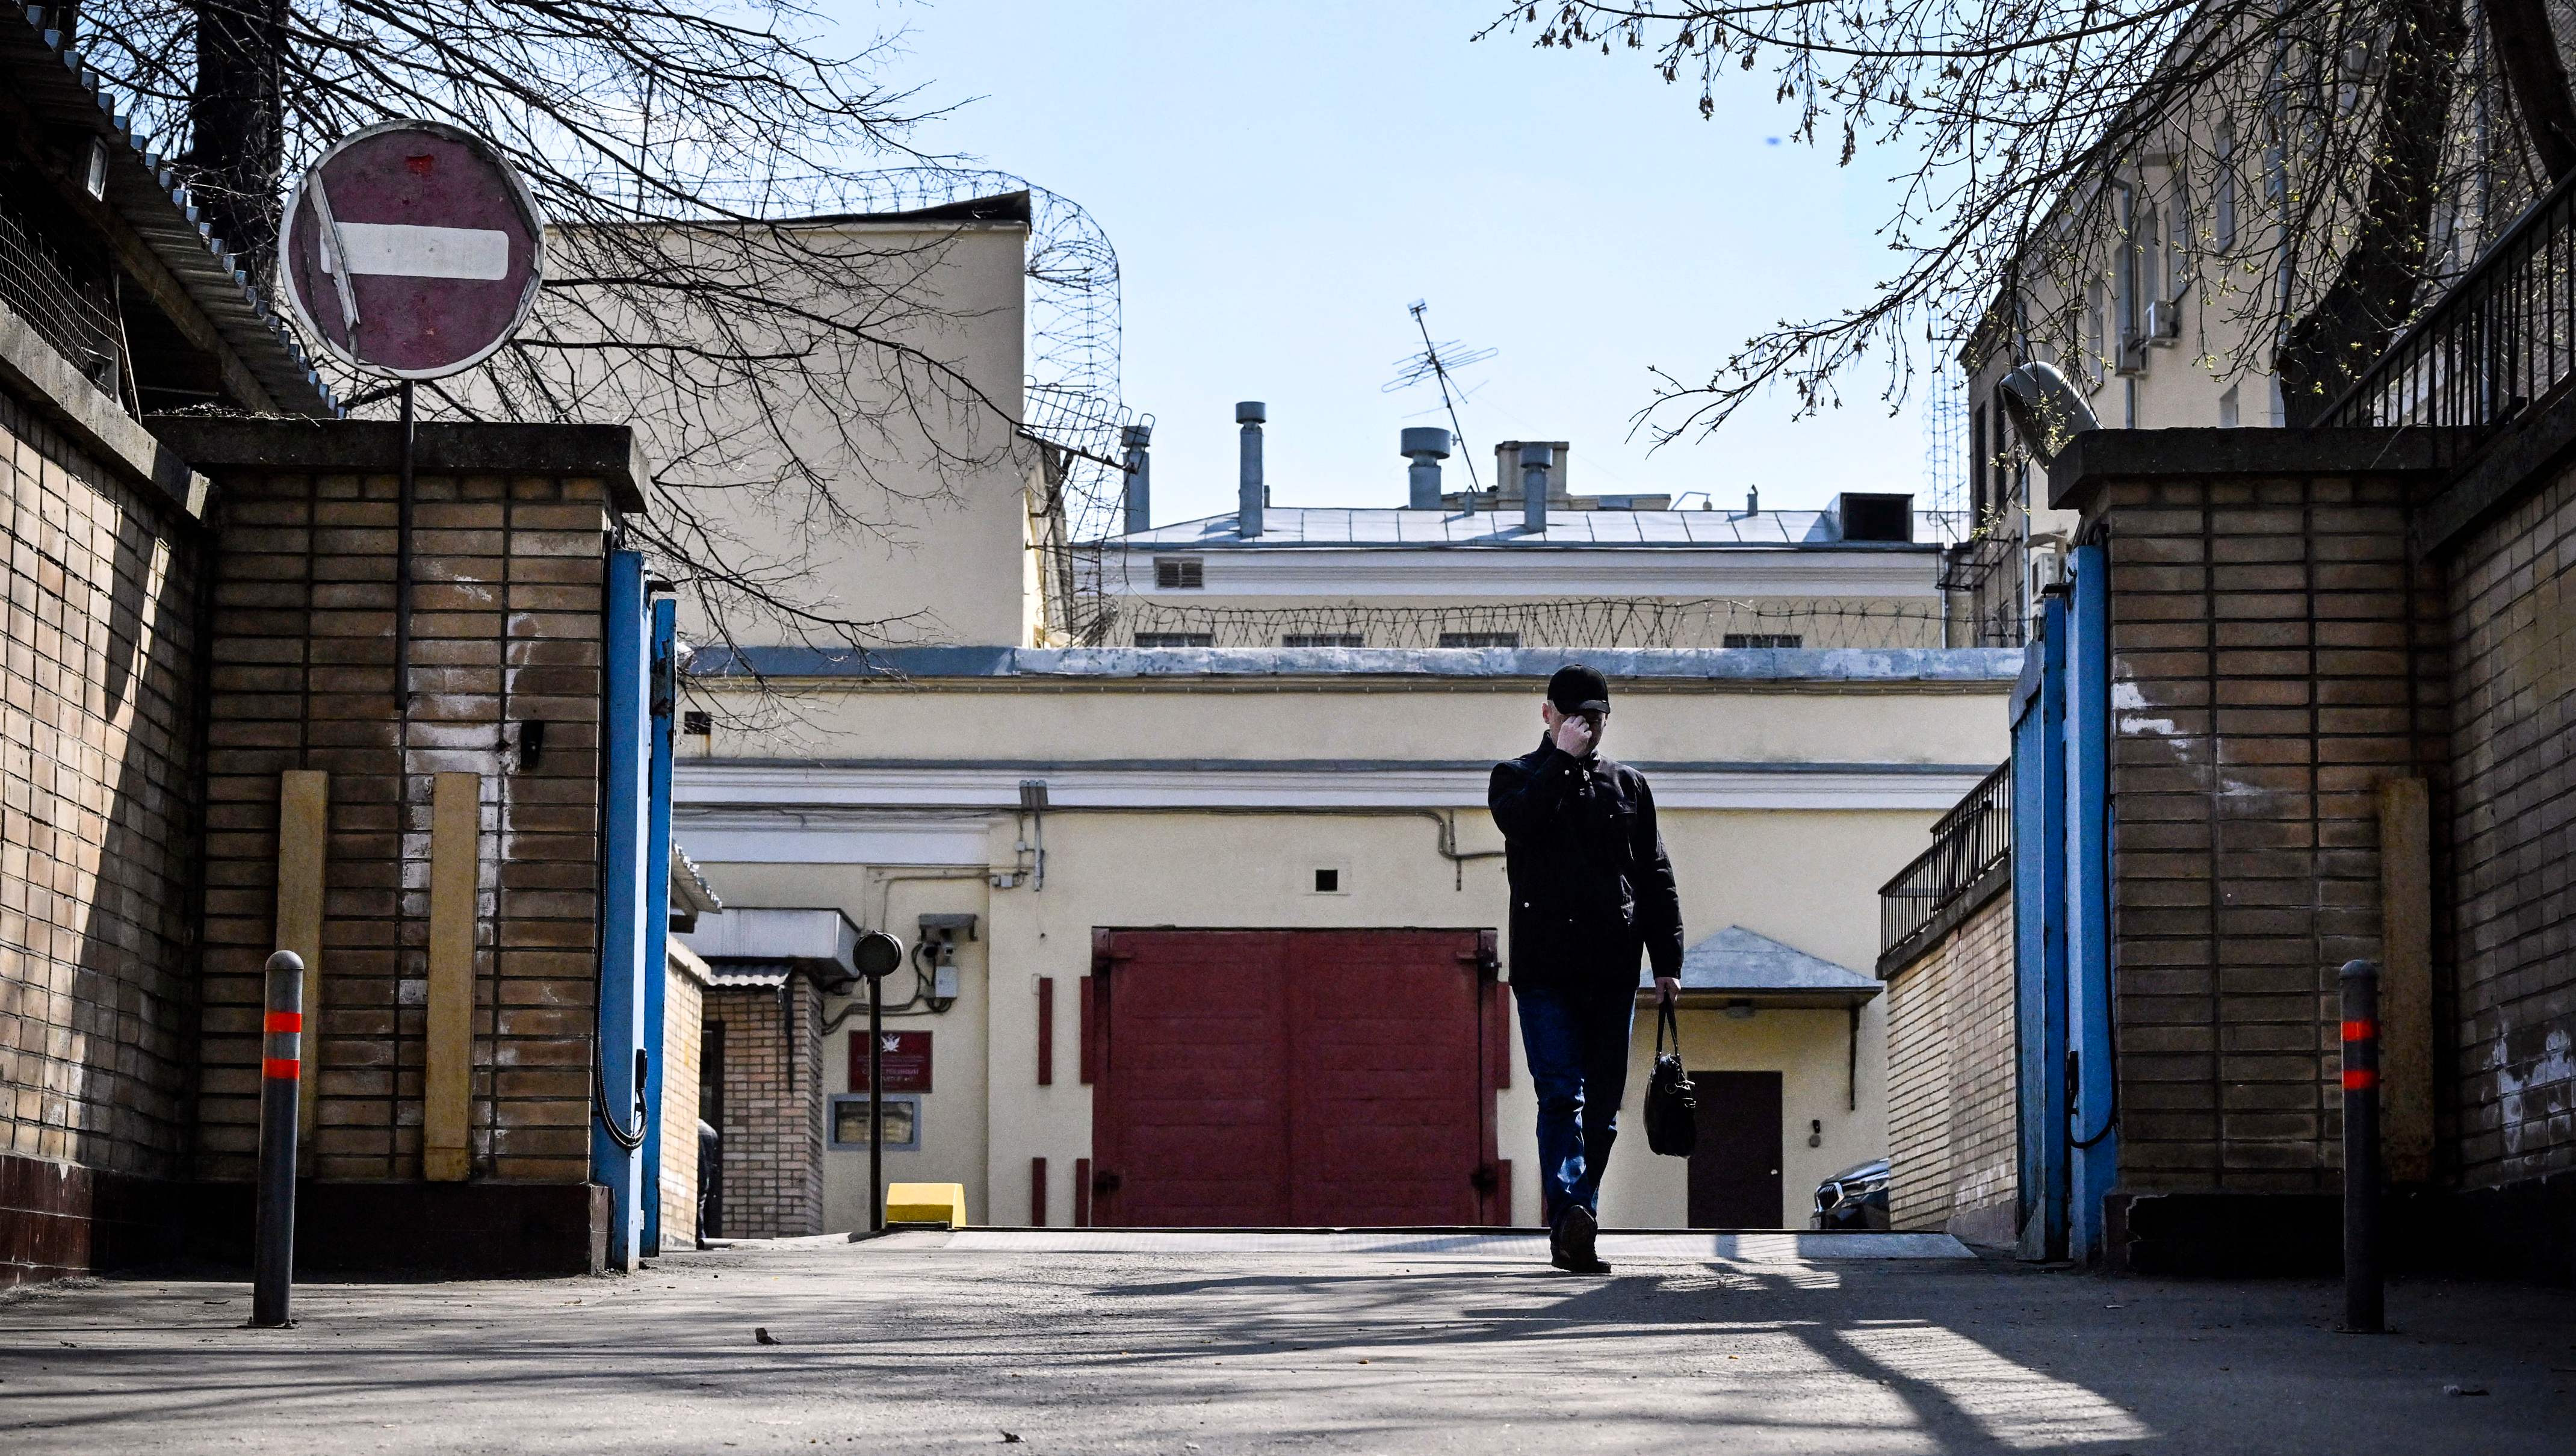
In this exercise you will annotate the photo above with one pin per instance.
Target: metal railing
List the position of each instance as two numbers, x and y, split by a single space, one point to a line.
2502 337
1974 837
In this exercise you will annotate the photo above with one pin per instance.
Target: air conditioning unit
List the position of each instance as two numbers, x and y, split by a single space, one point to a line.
2046 563
2164 322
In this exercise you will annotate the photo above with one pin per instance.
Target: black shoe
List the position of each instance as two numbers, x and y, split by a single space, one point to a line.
1556 1248
1574 1236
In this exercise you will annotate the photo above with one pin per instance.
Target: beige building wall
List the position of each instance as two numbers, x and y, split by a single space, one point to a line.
1790 859
1811 1049
921 524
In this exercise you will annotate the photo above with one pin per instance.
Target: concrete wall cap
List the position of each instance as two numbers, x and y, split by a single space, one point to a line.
216 443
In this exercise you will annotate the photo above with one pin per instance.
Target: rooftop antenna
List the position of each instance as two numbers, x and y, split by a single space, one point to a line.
1435 365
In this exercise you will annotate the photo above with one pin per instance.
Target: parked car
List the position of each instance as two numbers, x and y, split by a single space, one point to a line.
1855 1198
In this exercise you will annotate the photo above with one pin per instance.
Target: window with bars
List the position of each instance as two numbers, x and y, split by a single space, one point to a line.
1323 639
1480 639
1179 573
1764 639
1176 639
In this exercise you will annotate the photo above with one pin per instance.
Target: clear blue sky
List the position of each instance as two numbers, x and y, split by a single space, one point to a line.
1282 180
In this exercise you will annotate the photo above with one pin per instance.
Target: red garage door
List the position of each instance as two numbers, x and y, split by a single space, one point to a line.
1253 1078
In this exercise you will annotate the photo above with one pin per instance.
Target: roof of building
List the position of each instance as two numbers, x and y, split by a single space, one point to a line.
1739 964
2000 666
1374 526
49 77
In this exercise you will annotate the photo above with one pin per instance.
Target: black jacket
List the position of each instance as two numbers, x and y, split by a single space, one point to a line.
1590 882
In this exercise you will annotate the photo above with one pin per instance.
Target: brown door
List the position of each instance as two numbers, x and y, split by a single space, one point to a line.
1735 1169
1252 1078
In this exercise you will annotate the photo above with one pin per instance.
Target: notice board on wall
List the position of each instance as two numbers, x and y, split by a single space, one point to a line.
905 1055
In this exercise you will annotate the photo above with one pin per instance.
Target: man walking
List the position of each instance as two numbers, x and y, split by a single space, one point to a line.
1591 888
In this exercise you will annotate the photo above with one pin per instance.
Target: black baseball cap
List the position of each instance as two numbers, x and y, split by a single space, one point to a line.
1579 689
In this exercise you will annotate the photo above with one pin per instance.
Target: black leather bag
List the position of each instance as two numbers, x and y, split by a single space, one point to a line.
1672 1108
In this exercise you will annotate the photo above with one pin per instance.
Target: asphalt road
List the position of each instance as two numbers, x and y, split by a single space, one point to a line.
909 1345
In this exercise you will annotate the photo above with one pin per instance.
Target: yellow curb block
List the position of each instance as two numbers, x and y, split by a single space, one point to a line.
940 1204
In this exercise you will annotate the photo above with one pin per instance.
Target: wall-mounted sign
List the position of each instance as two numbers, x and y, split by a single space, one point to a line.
905 1055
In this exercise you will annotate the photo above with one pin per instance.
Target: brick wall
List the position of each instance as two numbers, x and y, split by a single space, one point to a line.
1953 1145
506 628
683 1009
2513 618
2274 657
97 736
773 1107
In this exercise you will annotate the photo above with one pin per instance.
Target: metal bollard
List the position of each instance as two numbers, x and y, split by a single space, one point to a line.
2364 1285
281 1084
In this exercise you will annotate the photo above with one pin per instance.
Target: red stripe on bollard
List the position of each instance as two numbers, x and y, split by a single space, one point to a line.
2360 1079
2360 1030
285 1069
294 1021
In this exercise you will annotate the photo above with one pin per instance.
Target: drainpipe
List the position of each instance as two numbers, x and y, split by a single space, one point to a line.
1140 478
1535 460
1426 448
1252 495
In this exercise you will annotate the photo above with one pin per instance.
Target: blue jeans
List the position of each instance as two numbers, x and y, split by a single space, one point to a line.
1577 1043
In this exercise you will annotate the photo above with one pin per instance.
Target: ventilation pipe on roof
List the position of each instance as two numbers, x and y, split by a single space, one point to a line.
1535 459
1426 448
1140 477
1252 494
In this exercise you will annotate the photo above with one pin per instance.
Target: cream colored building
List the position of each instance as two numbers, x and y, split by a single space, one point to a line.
1054 827
1225 789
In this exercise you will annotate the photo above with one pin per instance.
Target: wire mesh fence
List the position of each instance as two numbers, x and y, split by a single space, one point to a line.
1593 622
70 305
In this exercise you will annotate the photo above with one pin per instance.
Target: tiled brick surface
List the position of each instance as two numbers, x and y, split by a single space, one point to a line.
97 734
2275 656
773 1107
682 1006
505 630
1953 1144
2512 839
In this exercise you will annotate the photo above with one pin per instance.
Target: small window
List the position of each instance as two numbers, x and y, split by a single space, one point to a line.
1176 639
1331 879
697 721
1179 573
1764 639
900 1127
1480 639
1323 639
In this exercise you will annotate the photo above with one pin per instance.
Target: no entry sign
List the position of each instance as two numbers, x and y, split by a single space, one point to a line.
412 250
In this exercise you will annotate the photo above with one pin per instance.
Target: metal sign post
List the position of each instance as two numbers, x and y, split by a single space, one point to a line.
876 1105
427 234
877 956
